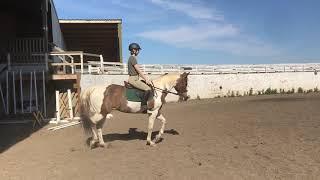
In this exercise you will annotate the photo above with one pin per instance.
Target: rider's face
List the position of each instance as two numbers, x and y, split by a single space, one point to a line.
136 51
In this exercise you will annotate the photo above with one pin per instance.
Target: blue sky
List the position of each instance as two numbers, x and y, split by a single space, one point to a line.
210 32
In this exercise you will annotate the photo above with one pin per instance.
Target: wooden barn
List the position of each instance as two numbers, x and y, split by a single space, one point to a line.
40 54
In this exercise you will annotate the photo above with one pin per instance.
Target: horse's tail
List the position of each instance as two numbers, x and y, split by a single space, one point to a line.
85 111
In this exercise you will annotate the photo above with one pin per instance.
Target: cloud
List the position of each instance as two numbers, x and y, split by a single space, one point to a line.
193 10
218 37
215 34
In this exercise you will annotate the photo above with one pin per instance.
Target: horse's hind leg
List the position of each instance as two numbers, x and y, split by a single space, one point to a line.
163 120
94 139
99 129
98 121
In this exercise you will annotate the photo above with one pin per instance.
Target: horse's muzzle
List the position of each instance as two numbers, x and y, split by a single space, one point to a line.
184 97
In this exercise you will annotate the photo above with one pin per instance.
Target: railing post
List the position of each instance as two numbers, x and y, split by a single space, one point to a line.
72 66
9 61
124 68
7 80
35 89
21 92
46 61
57 107
14 93
70 104
44 94
101 64
81 61
144 68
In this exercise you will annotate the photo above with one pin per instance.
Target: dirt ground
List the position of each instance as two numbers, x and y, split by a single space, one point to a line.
265 137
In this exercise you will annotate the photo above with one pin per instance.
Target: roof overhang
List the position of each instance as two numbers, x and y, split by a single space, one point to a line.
97 36
91 21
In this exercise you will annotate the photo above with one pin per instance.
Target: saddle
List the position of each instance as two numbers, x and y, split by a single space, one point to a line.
136 95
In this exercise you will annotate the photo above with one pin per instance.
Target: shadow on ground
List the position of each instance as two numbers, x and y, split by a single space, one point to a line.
132 134
11 134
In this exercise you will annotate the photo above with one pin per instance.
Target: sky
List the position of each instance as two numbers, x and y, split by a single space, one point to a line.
210 31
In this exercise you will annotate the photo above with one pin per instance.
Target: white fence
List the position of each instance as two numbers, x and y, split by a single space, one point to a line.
95 67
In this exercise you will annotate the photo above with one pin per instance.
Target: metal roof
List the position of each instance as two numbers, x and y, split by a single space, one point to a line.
111 21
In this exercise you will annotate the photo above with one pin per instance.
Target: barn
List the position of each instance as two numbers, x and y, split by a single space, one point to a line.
40 54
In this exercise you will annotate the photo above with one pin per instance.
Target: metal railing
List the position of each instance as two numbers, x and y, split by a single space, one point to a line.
95 67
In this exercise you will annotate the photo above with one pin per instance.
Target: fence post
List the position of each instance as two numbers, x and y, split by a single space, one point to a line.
81 61
14 93
101 64
9 61
46 61
44 94
35 89
21 92
70 104
72 66
30 102
7 79
57 107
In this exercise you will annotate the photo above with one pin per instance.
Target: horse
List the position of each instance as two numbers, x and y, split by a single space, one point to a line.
97 102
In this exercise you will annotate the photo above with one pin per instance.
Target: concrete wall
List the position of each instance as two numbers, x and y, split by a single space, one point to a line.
210 86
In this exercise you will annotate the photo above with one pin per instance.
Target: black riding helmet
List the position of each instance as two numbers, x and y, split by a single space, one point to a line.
134 46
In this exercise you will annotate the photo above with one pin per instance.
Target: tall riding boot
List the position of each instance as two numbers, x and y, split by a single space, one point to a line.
148 95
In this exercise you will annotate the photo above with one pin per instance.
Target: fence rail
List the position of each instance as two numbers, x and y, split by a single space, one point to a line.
95 67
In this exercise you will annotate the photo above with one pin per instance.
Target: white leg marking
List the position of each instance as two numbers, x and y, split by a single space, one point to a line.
94 137
101 141
152 117
163 120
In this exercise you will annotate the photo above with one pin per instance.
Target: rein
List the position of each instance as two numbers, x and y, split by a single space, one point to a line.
164 90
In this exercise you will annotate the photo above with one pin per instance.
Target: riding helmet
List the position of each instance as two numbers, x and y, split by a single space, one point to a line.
134 46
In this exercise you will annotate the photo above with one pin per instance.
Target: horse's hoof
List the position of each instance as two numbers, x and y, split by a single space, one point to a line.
102 145
93 144
151 143
158 139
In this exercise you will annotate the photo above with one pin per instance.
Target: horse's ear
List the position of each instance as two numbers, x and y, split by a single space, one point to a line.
186 74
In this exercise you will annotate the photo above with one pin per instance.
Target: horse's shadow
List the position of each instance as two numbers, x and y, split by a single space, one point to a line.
132 134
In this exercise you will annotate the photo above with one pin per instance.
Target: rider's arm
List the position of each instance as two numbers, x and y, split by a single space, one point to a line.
137 67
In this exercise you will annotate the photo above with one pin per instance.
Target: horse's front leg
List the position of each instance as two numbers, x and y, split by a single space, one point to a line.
152 117
163 120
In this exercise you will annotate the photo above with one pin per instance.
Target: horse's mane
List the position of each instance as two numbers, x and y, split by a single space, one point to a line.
166 76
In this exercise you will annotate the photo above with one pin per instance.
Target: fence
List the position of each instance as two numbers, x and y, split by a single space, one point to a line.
95 67
22 52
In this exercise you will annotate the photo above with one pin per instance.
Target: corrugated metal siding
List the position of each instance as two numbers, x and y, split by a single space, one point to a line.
56 30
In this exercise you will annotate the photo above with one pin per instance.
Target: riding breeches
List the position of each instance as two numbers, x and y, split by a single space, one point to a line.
137 83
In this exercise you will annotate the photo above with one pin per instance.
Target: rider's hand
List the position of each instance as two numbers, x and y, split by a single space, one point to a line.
148 81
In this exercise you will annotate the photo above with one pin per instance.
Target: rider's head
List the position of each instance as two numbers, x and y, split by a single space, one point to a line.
134 48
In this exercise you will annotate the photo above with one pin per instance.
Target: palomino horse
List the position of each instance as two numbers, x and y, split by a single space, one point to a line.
98 102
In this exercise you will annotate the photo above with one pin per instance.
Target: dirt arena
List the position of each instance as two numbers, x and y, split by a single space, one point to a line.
265 137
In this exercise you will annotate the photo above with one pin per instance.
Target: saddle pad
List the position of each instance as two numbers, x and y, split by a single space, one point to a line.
134 95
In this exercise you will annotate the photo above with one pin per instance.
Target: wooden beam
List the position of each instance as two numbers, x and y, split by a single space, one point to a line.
63 77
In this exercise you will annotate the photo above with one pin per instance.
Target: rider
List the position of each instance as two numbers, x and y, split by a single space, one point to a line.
135 73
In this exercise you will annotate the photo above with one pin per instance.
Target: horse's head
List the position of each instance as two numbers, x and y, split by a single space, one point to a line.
181 86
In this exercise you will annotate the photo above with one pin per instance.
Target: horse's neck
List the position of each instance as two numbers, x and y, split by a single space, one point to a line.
166 82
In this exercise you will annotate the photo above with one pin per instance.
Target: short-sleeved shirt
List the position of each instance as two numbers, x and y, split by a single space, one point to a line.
131 62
